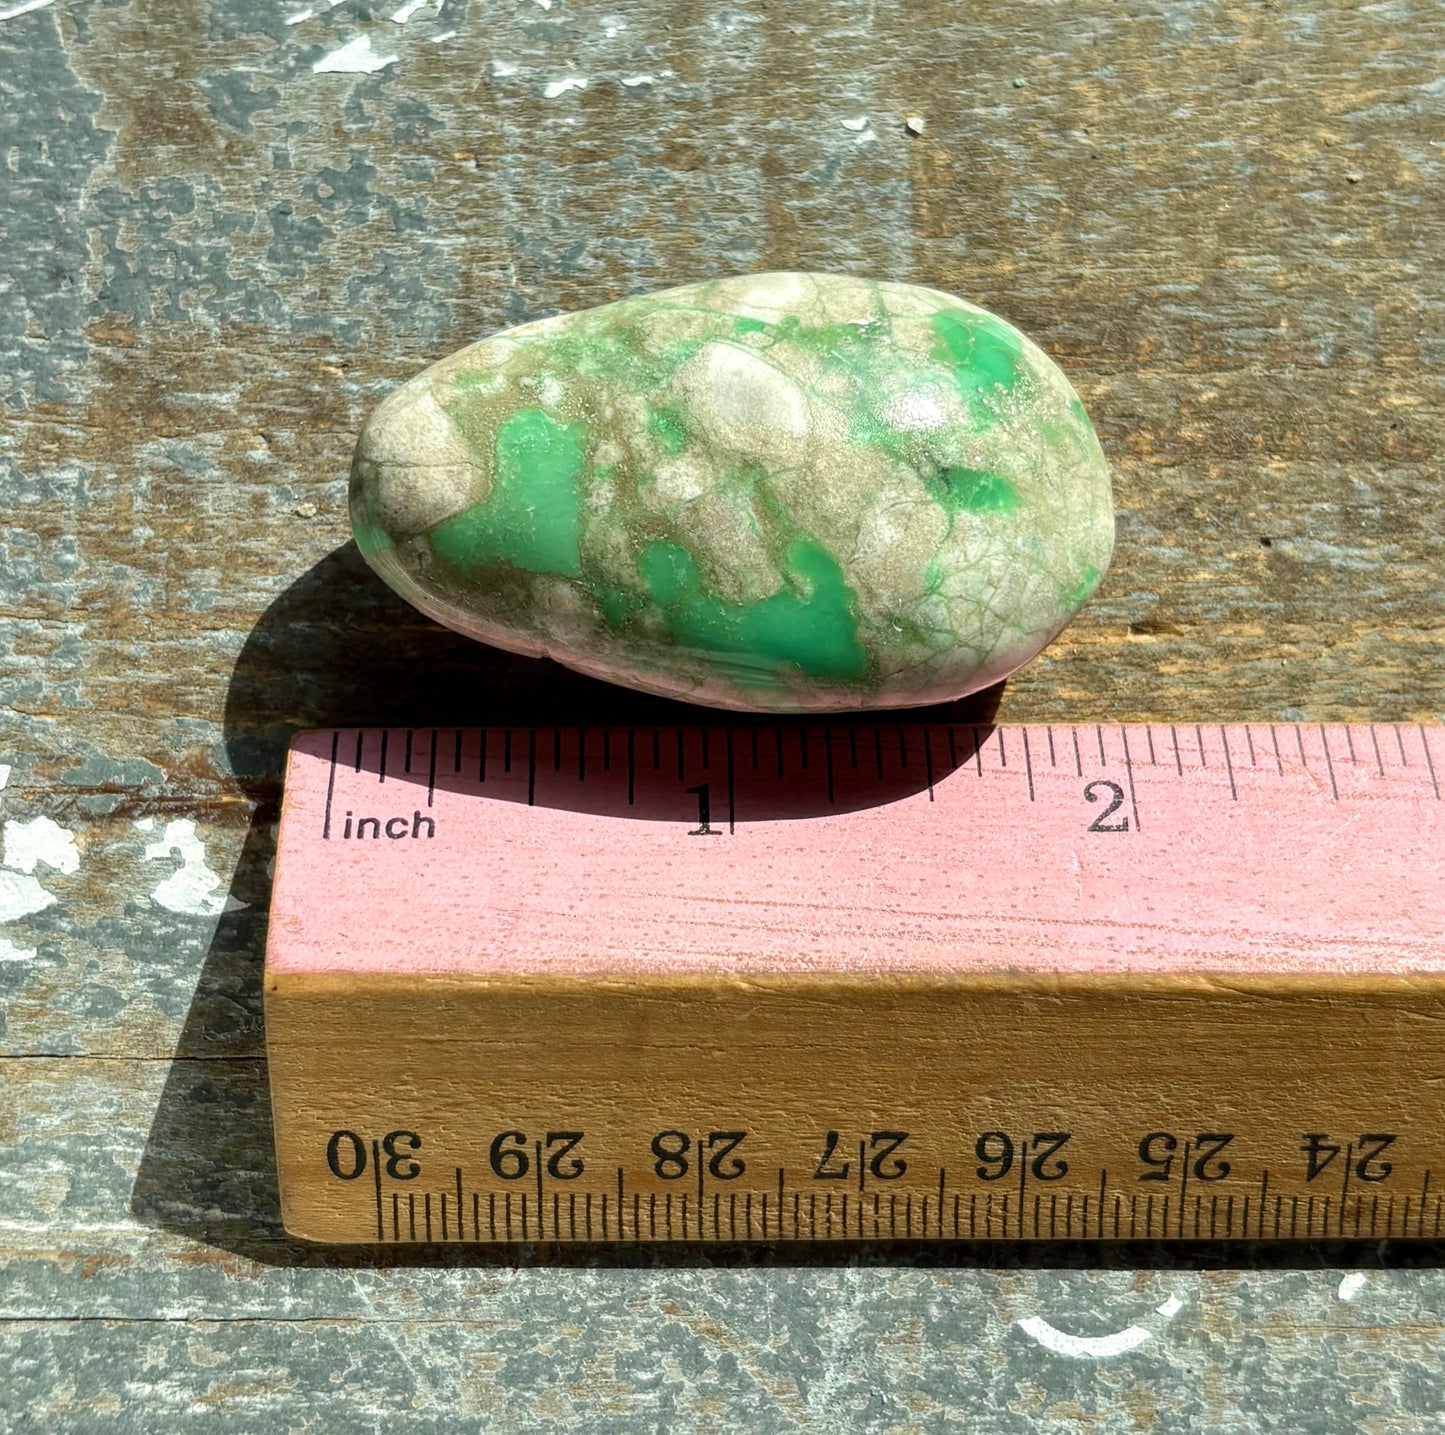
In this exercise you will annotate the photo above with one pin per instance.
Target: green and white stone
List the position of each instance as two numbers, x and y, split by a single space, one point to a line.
784 492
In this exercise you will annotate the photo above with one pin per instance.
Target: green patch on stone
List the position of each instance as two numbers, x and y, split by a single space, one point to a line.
669 428
745 325
617 605
980 351
532 517
973 490
471 379
809 625
868 430
1078 594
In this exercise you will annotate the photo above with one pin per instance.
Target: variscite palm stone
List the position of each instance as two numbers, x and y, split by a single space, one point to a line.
785 492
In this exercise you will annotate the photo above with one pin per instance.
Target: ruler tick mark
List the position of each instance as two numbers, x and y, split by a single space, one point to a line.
1149 734
406 766
360 739
381 765
1002 755
330 789
1028 767
1099 734
1178 761
732 801
952 752
1053 761
1299 739
1375 738
1429 761
927 767
1249 739
482 760
1129 773
1400 743
878 751
376 1182
1199 742
1329 762
1228 763
1350 742
431 780
1078 759
1278 760
457 763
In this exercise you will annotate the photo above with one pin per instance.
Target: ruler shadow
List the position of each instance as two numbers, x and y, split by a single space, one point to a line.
338 648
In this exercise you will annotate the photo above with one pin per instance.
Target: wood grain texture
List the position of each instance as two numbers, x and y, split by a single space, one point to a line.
1220 218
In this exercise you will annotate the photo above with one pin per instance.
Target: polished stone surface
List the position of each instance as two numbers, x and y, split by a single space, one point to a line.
777 492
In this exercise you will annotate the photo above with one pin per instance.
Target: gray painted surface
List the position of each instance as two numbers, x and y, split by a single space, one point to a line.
1222 219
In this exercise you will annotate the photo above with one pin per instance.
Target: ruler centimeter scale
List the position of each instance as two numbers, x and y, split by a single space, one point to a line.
808 981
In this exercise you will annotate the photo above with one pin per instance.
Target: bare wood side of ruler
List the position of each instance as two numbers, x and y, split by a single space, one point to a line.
443 1109
858 982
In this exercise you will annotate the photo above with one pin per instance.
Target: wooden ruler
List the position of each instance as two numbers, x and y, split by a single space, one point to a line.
860 981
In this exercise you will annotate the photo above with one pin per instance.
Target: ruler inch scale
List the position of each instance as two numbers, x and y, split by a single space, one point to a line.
856 980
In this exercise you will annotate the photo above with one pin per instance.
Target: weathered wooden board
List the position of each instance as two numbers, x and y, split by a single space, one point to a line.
1221 218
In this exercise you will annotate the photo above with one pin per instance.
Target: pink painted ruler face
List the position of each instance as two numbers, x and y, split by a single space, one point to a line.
887 848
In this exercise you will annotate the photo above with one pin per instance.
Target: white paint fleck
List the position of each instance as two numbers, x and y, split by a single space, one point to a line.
445 35
356 57
611 32
545 4
1353 1284
502 68
860 123
4 775
192 888
405 12
21 895
632 81
39 840
915 124
24 9
9 952
1094 1347
145 824
560 87
299 16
